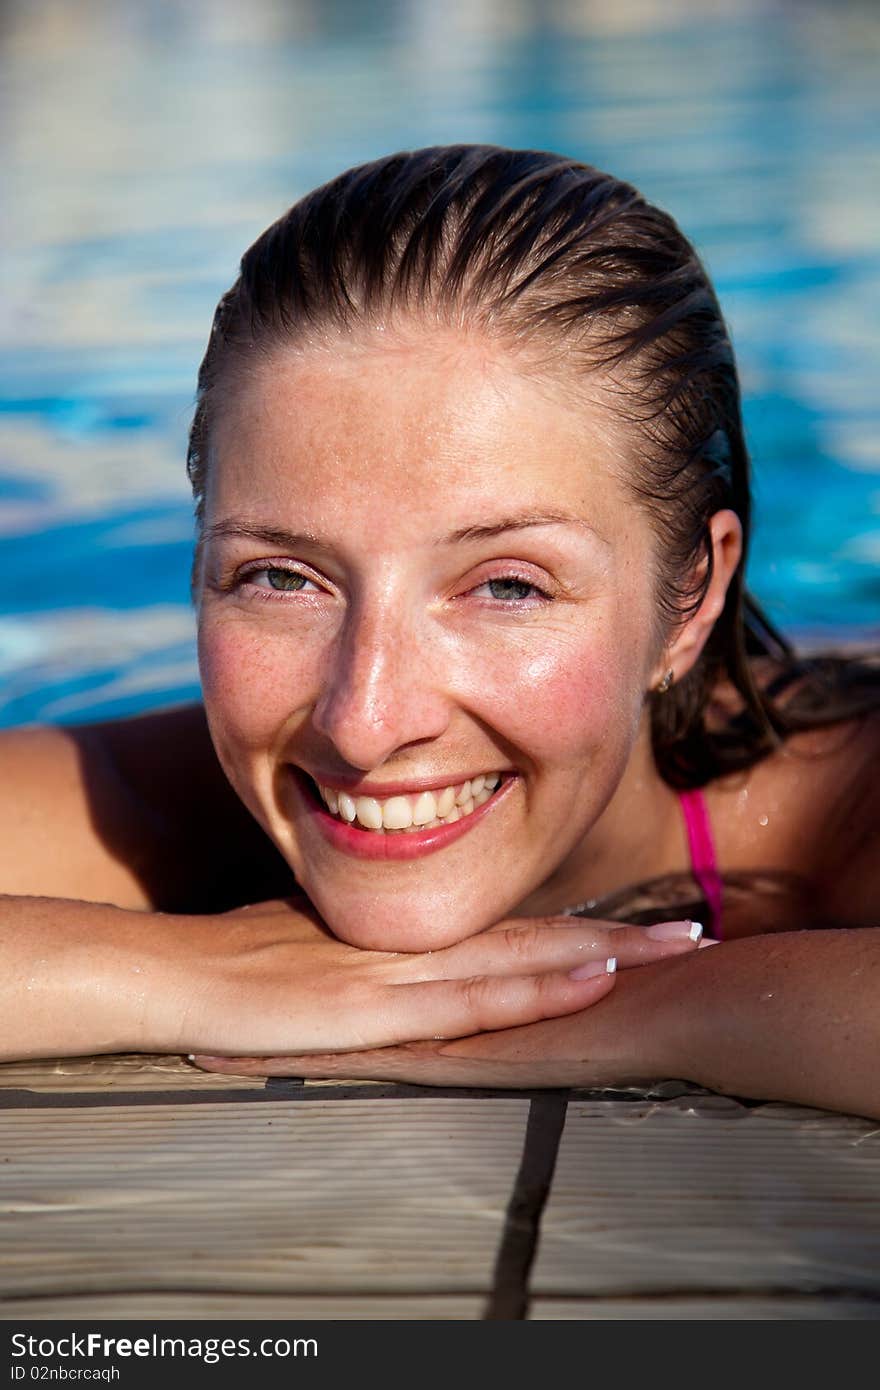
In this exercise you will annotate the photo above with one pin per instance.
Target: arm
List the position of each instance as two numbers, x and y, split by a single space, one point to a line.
793 1016
78 978
136 812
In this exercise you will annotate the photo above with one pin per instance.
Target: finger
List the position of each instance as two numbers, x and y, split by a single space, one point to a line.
483 1003
519 947
405 1013
322 1065
418 1063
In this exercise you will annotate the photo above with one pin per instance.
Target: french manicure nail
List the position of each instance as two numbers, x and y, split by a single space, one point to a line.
594 967
675 931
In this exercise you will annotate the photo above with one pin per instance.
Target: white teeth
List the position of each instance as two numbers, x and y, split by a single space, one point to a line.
426 810
369 812
397 813
464 794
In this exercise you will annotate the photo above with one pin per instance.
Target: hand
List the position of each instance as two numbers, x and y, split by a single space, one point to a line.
784 1016
291 988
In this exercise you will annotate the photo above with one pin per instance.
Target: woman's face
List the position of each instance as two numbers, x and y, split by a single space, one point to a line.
421 569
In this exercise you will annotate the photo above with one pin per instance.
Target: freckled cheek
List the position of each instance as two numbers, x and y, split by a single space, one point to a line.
252 684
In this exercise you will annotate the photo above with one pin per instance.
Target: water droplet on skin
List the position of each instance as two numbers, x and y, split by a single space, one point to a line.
763 820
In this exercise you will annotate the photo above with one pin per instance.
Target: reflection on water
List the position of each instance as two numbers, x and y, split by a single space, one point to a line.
76 661
145 143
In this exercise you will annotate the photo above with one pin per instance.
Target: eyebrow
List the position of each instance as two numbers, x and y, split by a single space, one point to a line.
272 535
291 540
520 523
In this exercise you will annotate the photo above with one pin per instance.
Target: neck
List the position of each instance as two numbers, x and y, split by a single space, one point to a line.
639 836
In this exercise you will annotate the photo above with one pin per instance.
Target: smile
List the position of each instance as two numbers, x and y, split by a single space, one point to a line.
419 822
407 815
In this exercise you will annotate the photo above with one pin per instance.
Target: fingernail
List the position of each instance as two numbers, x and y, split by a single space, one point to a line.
708 941
594 967
675 931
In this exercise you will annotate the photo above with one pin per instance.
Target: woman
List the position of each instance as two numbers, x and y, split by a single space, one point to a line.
478 660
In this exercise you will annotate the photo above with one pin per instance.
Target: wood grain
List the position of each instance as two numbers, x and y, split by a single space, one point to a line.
707 1196
327 1198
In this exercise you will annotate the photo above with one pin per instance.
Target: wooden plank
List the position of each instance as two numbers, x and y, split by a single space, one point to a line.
210 1307
694 1196
722 1308
325 1198
125 1071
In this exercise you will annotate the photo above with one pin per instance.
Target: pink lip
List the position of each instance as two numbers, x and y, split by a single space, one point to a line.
368 844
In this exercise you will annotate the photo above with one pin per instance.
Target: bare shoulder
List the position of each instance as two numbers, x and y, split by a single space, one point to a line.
812 811
130 811
79 817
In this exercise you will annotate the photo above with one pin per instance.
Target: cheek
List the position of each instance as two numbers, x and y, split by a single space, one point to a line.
251 686
579 698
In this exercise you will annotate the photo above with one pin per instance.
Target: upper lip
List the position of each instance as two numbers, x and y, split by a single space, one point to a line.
354 787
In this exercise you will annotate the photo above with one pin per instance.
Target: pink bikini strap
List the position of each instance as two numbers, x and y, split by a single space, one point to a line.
704 865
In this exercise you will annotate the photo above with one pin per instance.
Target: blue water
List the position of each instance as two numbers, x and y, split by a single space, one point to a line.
144 145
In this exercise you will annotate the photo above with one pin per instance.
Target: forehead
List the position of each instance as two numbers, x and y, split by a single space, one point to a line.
433 422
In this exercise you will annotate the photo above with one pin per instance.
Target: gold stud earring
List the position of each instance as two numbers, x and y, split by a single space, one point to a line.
666 682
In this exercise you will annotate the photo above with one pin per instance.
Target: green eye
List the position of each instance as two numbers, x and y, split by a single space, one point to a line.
285 579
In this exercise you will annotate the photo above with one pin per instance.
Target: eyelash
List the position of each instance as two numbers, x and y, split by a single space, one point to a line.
245 577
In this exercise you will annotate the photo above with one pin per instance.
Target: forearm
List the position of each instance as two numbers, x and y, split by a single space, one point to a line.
78 978
81 977
793 1016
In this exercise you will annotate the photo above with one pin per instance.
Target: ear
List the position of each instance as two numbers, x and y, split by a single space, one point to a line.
687 641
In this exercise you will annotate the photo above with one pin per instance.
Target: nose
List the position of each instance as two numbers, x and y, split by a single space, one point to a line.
382 689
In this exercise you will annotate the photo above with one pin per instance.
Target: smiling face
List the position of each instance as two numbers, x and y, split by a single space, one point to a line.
421 568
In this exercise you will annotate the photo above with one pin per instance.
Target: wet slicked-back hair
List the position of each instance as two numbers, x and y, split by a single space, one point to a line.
574 270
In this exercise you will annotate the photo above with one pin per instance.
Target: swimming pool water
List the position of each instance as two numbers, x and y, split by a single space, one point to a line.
144 145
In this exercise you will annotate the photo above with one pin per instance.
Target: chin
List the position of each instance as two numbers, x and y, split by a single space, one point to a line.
397 922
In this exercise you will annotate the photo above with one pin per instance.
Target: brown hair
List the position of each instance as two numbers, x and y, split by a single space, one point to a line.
544 251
